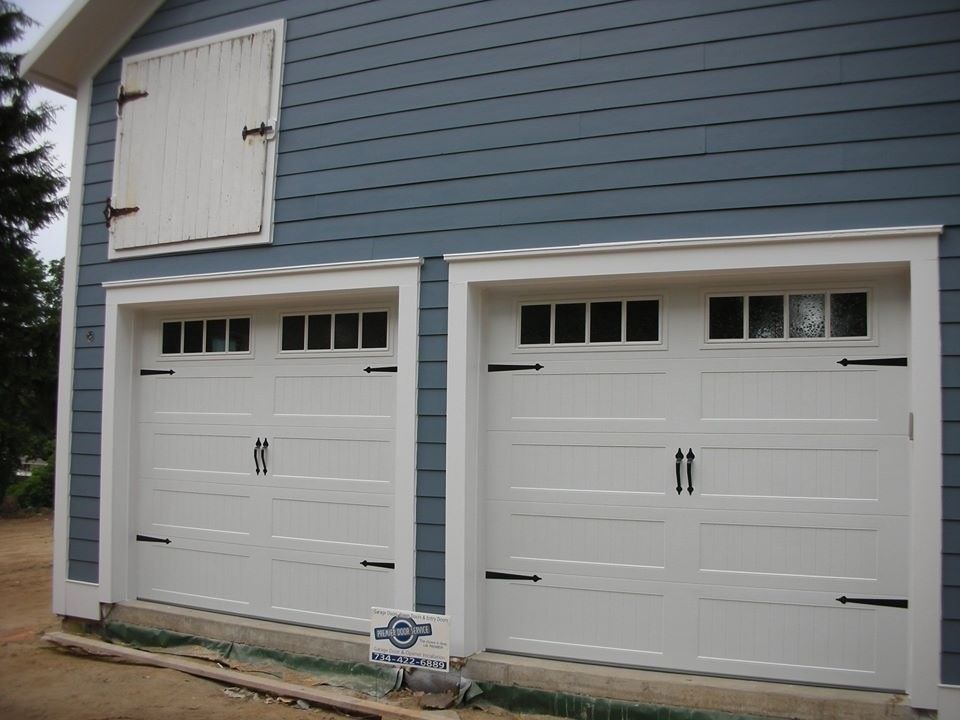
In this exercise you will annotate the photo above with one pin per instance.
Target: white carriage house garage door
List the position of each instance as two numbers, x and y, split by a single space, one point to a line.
682 476
265 458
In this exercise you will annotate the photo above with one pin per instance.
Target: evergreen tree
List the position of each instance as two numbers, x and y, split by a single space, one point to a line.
30 186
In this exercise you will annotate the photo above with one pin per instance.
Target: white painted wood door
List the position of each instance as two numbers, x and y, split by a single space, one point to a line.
800 496
287 543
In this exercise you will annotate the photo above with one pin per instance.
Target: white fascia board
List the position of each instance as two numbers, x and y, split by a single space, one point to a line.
82 40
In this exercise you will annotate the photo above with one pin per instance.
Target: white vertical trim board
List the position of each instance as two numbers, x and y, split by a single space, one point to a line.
914 249
70 598
125 298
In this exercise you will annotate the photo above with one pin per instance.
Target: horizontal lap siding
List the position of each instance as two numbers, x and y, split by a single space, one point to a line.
420 127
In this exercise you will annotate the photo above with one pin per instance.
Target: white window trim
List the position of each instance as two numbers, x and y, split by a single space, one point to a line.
912 247
125 298
265 236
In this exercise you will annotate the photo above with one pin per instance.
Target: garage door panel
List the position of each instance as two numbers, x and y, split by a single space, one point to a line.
190 510
354 461
577 467
197 573
794 491
847 474
201 452
277 530
337 396
807 637
618 622
338 523
835 553
199 395
324 590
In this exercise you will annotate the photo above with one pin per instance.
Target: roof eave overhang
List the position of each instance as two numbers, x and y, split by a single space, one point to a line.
82 40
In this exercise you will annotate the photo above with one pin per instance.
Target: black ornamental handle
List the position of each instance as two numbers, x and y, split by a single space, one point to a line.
371 563
679 457
690 459
493 575
263 455
256 459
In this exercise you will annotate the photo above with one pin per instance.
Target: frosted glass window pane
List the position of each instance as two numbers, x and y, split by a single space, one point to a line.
605 321
726 318
643 320
807 316
216 336
848 314
766 316
535 325
570 323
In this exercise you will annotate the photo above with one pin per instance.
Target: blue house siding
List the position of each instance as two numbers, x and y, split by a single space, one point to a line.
418 127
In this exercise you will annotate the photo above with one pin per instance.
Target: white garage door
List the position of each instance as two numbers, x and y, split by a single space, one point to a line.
792 490
266 459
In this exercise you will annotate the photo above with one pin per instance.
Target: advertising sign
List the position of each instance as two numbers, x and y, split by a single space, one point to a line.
410 639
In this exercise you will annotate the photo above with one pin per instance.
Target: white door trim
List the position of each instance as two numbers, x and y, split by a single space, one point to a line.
124 298
914 248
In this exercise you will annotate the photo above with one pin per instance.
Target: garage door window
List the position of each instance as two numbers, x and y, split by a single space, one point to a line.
821 315
594 322
212 335
320 332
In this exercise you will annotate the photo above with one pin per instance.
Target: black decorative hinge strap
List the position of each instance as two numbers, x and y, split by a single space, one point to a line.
896 362
261 131
507 368
150 538
882 602
371 563
110 212
388 368
124 97
155 372
492 575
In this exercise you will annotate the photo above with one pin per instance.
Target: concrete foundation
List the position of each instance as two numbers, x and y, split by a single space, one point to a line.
697 692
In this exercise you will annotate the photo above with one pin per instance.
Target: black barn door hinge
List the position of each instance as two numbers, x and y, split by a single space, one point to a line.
155 372
388 368
261 131
890 362
371 563
882 602
507 368
493 575
110 212
124 97
150 538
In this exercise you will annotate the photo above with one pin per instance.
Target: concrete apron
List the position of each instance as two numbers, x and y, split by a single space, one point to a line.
650 688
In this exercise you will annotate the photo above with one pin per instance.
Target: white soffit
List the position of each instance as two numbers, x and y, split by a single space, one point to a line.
82 40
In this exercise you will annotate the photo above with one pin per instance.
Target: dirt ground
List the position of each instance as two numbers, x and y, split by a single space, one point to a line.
37 681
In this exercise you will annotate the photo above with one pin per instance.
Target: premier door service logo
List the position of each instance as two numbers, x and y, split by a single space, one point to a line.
403 632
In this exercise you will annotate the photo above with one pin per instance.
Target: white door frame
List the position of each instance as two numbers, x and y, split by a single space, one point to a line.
124 298
914 248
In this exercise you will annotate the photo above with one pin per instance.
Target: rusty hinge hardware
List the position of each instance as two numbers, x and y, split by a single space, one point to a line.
124 97
110 212
261 131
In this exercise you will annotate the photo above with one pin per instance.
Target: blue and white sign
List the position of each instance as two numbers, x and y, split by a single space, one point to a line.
410 639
